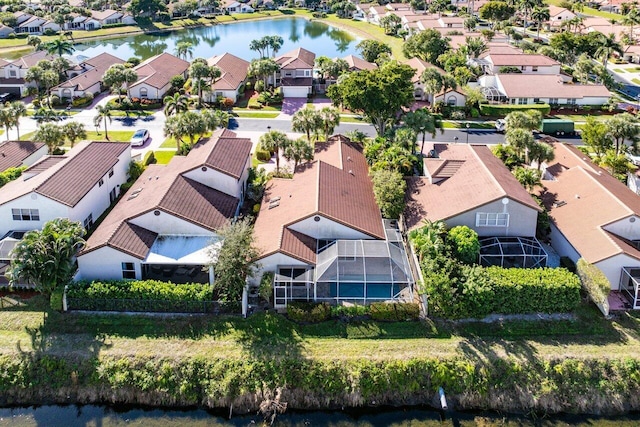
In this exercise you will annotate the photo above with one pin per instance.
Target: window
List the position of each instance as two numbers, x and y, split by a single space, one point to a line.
523 67
110 173
128 270
534 68
12 73
25 214
101 182
143 92
88 222
492 219
536 100
553 101
571 101
307 73
523 101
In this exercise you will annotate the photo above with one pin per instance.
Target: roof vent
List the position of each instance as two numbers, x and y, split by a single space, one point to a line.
274 204
351 172
275 199
4 155
348 157
559 203
577 196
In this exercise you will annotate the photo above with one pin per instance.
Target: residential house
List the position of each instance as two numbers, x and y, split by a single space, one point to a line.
558 15
14 154
165 227
545 88
110 17
81 22
79 185
594 217
6 31
234 76
296 73
453 97
358 64
493 63
22 17
89 81
316 230
12 73
465 184
632 54
155 74
234 6
36 26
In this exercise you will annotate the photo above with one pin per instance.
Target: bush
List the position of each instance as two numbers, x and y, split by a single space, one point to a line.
55 300
593 281
259 86
81 101
465 245
266 286
55 100
254 104
394 312
458 115
503 110
262 155
149 158
308 312
11 174
349 311
474 113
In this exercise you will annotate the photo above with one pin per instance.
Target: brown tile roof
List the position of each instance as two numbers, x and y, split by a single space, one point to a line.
32 59
547 86
97 66
592 199
234 71
299 58
165 188
521 59
133 240
223 152
356 63
13 153
464 177
104 14
70 179
335 185
158 70
419 65
298 246
44 164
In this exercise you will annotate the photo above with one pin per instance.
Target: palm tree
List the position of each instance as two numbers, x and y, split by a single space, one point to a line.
306 120
432 81
528 178
632 18
74 131
608 45
34 41
475 46
540 15
330 119
274 141
103 115
129 76
184 50
275 43
51 134
422 121
173 129
202 74
262 68
34 74
298 151
49 79
18 110
540 153
7 120
175 104
526 6
259 46
60 47
215 119
521 140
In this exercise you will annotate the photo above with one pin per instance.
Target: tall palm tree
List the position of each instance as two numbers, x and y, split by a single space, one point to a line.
540 15
60 47
330 119
173 129
18 110
475 46
528 178
526 6
608 45
51 134
432 81
632 18
175 104
298 150
521 140
422 121
306 120
103 114
274 141
184 50
275 43
74 131
259 45
7 120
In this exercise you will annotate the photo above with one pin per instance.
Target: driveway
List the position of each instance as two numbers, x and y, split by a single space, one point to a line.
291 105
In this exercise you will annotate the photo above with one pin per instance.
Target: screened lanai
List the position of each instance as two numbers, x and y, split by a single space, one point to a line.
630 285
519 252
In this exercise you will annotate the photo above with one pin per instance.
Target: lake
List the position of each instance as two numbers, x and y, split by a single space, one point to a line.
234 38
103 416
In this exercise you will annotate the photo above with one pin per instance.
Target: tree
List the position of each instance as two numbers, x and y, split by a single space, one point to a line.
173 129
275 43
233 263
432 82
391 23
427 45
465 244
617 164
34 74
422 121
114 79
528 178
595 135
18 110
103 114
7 120
202 74
175 104
306 120
46 257
541 152
298 150
193 125
622 127
372 49
329 120
262 68
583 68
495 11
389 190
607 46
540 15
521 140
184 50
475 46
526 6
52 136
259 46
49 79
34 41
529 120
214 119
59 46
74 131
378 94
632 18
274 141
146 7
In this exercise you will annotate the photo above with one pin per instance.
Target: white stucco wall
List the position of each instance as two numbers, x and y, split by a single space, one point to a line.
458 97
562 245
35 156
612 268
270 263
48 210
629 228
326 229
168 224
105 264
152 92
522 219
219 181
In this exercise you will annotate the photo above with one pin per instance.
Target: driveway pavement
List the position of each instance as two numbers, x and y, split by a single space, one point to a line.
291 105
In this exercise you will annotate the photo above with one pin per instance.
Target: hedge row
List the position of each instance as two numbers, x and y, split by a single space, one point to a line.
502 110
313 312
595 283
563 385
141 290
11 174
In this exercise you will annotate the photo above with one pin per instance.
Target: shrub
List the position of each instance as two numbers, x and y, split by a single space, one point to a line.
503 110
594 282
464 243
254 104
259 86
349 311
149 158
458 115
11 174
55 300
266 286
55 100
308 312
394 312
389 190
261 154
474 113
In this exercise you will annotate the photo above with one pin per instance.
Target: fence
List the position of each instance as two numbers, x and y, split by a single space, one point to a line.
151 306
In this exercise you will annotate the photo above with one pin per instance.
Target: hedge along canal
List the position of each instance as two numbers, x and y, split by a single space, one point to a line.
586 386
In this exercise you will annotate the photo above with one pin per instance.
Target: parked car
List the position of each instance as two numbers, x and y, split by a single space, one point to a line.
139 138
500 125
6 97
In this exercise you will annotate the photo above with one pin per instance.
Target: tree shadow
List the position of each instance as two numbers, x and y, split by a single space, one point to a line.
269 336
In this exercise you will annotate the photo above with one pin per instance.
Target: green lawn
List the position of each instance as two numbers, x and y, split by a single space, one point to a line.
256 114
619 70
581 117
351 119
163 157
589 11
472 125
114 136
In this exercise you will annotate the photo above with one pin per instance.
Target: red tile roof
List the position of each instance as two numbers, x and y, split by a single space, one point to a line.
547 86
13 153
158 70
464 177
521 59
356 63
133 240
96 69
335 185
234 71
297 59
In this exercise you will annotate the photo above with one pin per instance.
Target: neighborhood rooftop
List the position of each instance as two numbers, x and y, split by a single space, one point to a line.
14 153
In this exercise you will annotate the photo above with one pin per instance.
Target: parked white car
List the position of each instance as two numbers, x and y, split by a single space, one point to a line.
139 138
501 124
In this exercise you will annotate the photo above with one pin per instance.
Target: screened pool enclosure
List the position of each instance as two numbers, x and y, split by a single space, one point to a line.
630 285
354 271
507 252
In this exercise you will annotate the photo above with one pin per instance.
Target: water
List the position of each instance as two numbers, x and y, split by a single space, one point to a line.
69 416
234 38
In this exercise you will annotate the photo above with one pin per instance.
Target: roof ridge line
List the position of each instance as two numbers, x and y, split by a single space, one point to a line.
484 166
605 189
